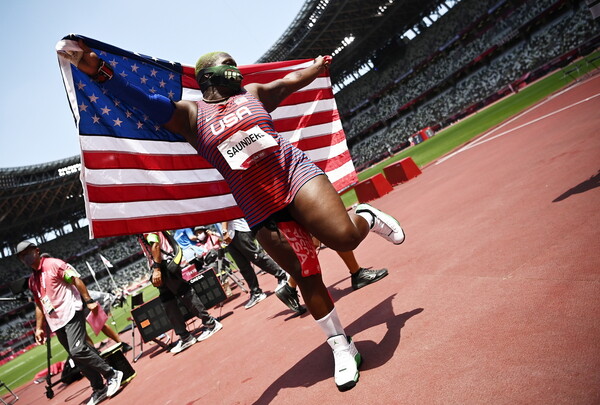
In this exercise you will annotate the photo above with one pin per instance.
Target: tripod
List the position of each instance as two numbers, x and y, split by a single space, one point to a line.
49 383
223 270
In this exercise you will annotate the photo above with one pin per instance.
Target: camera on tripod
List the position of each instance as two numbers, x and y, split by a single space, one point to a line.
18 288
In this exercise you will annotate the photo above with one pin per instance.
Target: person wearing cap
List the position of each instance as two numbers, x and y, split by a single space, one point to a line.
207 239
105 300
59 296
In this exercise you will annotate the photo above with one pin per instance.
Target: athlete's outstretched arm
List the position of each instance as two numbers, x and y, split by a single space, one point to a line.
173 116
273 93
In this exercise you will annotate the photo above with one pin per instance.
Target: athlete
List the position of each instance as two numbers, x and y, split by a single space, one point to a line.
285 197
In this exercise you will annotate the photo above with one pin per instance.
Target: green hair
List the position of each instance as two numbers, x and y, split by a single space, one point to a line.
208 59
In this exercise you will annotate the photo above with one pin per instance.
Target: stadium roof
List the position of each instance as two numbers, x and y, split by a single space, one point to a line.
38 199
322 25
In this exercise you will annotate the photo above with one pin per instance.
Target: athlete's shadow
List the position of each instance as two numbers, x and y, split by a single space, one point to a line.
582 187
317 365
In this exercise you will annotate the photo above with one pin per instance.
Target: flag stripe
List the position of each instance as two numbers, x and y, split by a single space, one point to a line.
145 209
321 141
320 84
317 122
325 156
300 109
306 95
130 226
147 192
341 173
158 177
116 160
271 75
157 147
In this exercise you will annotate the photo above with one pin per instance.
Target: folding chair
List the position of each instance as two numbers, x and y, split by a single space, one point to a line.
15 397
569 72
592 61
136 301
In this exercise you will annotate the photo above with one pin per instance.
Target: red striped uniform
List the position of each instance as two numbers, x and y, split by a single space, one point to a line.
275 174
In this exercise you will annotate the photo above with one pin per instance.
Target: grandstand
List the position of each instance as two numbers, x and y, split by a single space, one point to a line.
400 66
431 63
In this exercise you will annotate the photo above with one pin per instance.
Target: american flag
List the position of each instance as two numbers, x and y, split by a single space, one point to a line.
138 177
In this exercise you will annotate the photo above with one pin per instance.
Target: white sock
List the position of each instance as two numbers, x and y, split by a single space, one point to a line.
331 324
368 216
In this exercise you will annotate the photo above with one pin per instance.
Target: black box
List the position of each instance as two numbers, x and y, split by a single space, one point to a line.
151 319
209 288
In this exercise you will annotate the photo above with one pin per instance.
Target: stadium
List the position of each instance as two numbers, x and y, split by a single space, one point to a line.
401 66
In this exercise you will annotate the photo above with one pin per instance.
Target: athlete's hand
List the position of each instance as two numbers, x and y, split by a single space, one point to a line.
323 61
90 60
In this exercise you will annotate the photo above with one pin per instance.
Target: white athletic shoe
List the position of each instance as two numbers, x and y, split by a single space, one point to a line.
183 344
255 299
114 383
381 223
209 332
347 360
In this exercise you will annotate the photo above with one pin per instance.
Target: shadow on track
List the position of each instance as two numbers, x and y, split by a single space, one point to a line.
582 187
317 365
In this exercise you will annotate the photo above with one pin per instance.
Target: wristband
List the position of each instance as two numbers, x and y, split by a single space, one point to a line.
104 73
90 301
156 265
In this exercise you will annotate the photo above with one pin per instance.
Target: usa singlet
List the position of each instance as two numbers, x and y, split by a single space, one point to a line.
263 170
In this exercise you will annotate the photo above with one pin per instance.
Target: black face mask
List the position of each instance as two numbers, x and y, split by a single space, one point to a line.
220 75
29 258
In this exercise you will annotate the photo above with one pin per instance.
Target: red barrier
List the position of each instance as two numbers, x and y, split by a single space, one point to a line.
55 369
372 188
401 171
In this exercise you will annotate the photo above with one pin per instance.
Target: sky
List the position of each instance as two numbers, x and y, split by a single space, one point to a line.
36 123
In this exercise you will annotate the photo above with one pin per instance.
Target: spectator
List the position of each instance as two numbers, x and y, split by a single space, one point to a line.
189 243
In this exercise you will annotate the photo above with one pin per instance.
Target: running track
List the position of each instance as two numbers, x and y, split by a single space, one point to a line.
494 298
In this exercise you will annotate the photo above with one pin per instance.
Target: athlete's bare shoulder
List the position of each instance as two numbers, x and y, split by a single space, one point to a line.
254 89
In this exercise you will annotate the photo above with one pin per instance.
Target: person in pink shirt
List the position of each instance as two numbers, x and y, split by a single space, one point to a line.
59 295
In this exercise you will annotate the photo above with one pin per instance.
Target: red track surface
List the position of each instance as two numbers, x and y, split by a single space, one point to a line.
493 298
